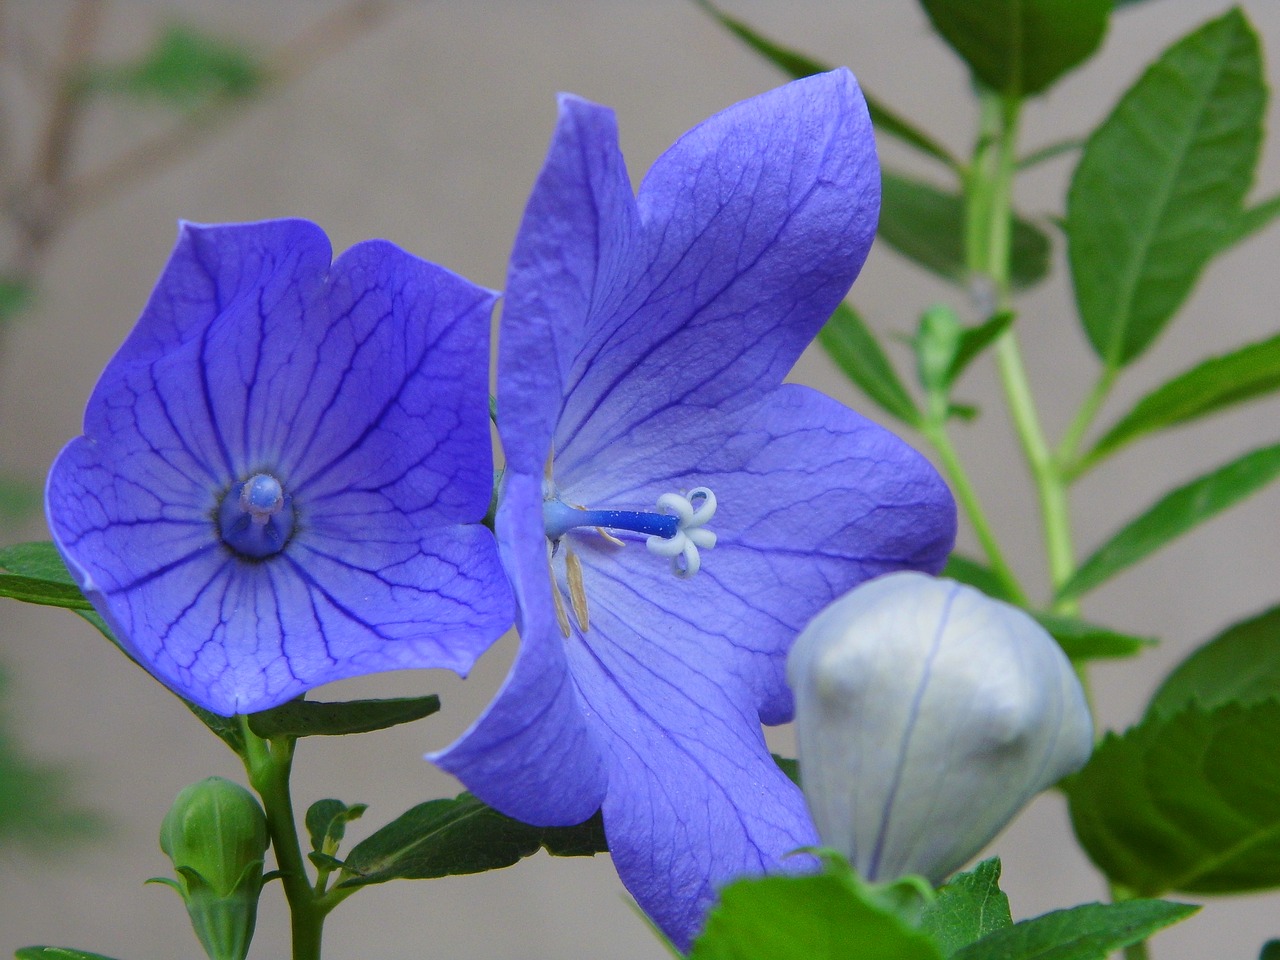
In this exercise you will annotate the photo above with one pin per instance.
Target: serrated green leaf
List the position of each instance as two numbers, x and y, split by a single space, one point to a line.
56 953
1240 665
313 718
1188 801
926 225
327 821
976 574
1020 47
1160 183
1245 374
798 65
443 838
1088 932
968 908
855 350
1175 514
183 67
1081 640
817 917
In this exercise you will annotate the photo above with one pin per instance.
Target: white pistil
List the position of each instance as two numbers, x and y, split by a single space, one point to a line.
693 512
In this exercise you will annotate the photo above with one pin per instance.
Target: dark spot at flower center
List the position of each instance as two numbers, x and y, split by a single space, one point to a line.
255 518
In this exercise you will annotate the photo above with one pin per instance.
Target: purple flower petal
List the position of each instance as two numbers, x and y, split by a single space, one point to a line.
813 499
532 754
694 798
756 222
642 349
361 389
576 244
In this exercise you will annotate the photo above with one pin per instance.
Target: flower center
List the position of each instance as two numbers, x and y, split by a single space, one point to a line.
255 518
678 532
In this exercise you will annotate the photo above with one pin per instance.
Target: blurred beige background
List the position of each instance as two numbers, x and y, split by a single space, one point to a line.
428 130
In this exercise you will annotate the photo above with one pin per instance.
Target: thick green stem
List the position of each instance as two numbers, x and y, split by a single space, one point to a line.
989 232
269 764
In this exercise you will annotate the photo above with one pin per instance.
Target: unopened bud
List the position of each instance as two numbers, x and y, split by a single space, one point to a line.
216 835
927 715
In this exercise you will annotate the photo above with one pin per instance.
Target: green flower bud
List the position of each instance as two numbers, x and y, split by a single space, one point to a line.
216 835
937 343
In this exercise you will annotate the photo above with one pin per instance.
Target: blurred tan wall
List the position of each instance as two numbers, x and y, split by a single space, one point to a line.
428 131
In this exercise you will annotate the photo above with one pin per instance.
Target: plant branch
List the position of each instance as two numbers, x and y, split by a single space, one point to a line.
291 61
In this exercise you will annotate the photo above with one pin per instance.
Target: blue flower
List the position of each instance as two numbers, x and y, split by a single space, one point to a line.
284 469
671 513
927 715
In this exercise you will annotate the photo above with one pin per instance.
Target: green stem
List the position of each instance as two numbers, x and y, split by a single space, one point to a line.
1134 951
935 432
269 763
989 234
1069 448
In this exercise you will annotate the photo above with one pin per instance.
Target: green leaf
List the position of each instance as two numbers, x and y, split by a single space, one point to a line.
39 560
442 838
1224 381
327 821
1240 665
1081 640
1256 218
15 296
973 340
1175 514
56 953
855 350
19 499
1087 932
1189 801
789 766
37 800
1020 47
828 916
1160 183
312 718
1270 950
40 563
968 908
183 68
975 574
926 225
798 65
31 590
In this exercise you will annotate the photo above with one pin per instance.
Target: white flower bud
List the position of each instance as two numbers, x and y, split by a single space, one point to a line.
928 714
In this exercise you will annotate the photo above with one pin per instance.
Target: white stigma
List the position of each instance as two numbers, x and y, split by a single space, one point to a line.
693 512
262 498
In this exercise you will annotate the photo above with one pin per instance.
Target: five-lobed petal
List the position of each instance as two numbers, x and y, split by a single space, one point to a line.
643 344
359 388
